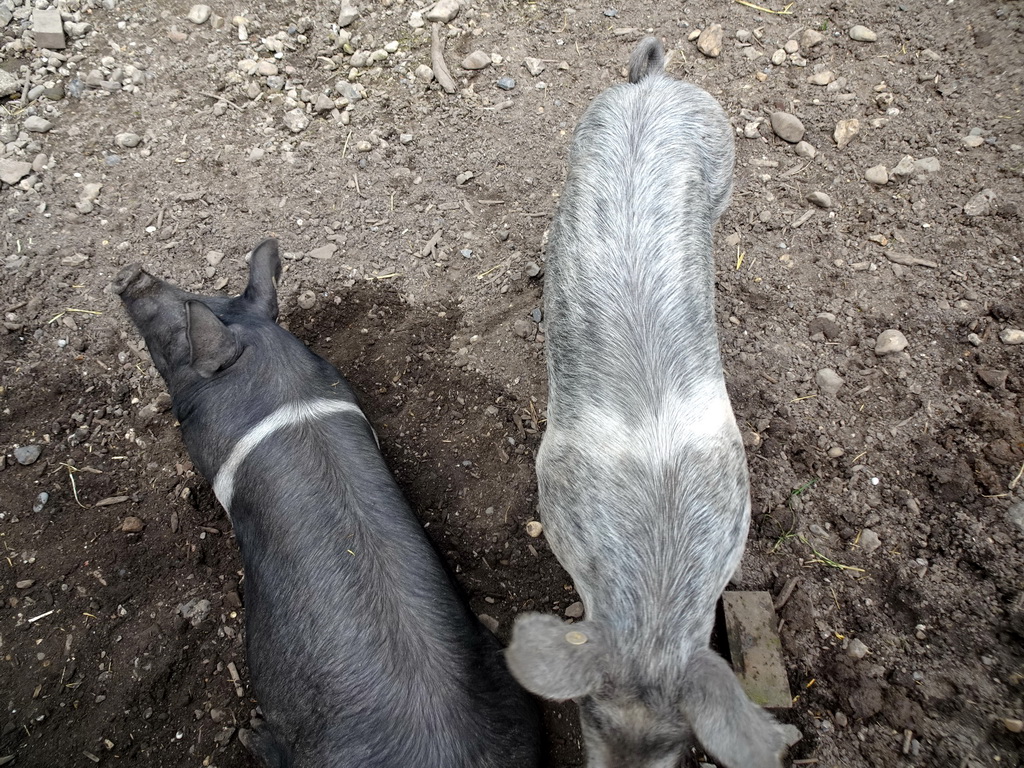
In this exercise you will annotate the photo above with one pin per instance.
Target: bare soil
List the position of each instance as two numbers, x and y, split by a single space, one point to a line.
896 502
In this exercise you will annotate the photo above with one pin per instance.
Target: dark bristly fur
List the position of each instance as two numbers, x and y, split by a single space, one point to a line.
361 653
642 475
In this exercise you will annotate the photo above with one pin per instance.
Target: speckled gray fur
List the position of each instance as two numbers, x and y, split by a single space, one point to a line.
643 481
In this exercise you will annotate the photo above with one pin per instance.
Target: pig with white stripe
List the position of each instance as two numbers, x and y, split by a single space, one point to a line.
642 476
361 652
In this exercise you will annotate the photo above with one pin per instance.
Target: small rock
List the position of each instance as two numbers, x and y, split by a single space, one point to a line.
296 120
971 142
809 38
443 11
534 528
323 103
856 649
37 124
828 381
974 339
822 78
836 452
820 199
574 611
195 611
24 583
490 622
324 252
306 300
348 90
1011 336
266 68
128 140
27 454
40 502
845 131
532 269
506 83
8 83
805 150
862 34
48 29
1013 725
791 46
787 127
13 171
981 204
523 328
869 541
175 35
905 168
779 57
710 41
928 165
363 146
533 66
198 14
416 20
132 524
476 60
877 174
994 377
347 15
424 73
213 258
890 341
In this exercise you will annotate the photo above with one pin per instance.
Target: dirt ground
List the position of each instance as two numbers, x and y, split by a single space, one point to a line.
413 222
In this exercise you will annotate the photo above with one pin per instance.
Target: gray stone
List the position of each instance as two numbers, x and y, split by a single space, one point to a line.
489 621
806 150
198 14
27 454
809 38
323 103
533 66
347 15
845 131
324 252
195 611
970 142
824 77
128 140
1015 514
8 83
787 127
296 120
710 41
266 68
981 204
476 60
13 171
506 83
443 11
994 377
348 90
890 341
37 124
905 168
877 174
856 649
40 501
574 611
928 165
424 73
869 541
1011 336
778 57
828 381
820 199
862 34
48 29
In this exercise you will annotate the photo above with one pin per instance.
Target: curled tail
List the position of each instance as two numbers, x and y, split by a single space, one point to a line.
648 58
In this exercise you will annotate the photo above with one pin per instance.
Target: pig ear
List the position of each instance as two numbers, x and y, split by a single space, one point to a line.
553 659
211 344
264 272
727 724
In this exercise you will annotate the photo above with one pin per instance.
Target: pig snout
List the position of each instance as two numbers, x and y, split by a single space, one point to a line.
131 280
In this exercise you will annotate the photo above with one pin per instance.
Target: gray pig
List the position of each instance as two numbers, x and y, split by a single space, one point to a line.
361 653
643 480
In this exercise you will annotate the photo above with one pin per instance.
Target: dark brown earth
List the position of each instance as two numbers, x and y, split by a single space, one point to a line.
896 503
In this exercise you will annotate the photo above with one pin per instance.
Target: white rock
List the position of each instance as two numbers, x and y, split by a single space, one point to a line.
476 60
266 68
971 142
8 83
416 20
890 341
877 174
905 168
347 15
862 34
1011 336
443 11
533 66
805 150
128 140
296 120
828 381
424 73
198 14
778 57
709 42
845 132
363 146
791 46
824 77
981 203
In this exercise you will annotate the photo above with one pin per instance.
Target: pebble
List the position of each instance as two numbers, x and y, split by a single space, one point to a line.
1011 336
856 649
296 120
443 11
416 20
347 14
869 541
132 524
532 269
363 146
534 528
828 381
890 341
824 77
862 34
574 610
489 621
533 66
37 124
266 68
877 174
307 300
522 328
994 377
324 103
845 131
905 168
424 73
981 203
324 252
787 127
128 140
8 83
836 452
40 501
791 46
779 57
820 199
213 258
198 14
928 165
476 60
13 171
810 38
1013 725
506 83
24 583
195 610
27 454
805 150
971 142
709 42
